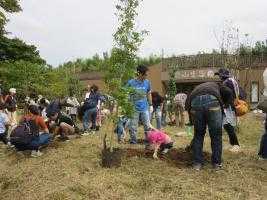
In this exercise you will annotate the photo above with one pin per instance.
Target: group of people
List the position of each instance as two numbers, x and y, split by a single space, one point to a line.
42 120
210 104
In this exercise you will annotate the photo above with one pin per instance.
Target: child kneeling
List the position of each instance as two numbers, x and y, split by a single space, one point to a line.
159 141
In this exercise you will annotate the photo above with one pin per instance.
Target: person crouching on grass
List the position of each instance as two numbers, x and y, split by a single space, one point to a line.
4 123
159 141
61 125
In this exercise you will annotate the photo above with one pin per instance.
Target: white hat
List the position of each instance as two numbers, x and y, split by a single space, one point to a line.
12 90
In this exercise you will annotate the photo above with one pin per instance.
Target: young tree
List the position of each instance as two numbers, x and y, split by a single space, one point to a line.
121 65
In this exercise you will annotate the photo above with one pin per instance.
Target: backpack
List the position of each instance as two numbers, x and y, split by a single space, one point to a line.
241 106
24 132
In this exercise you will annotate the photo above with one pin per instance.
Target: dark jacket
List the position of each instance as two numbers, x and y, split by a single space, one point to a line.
222 93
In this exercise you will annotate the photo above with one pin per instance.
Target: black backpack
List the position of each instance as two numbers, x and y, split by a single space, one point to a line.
25 132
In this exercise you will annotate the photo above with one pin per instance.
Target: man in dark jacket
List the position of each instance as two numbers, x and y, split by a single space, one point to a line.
205 107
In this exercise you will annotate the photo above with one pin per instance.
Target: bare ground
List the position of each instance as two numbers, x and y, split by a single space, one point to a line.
72 170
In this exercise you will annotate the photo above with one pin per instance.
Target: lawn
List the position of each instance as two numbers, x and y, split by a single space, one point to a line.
72 170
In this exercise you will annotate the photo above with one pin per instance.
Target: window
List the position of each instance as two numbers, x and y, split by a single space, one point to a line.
254 92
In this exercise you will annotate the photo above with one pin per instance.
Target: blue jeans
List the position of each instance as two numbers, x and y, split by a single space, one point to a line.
120 128
205 111
89 116
158 116
163 118
35 144
144 117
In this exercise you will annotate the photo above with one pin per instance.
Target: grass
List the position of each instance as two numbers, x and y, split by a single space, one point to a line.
72 170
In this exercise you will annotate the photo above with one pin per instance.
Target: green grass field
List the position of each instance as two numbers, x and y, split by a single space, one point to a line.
72 170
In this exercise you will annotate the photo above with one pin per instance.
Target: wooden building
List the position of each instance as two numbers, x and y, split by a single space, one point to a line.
193 70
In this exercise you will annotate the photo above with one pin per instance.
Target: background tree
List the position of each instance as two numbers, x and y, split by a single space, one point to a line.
15 49
7 6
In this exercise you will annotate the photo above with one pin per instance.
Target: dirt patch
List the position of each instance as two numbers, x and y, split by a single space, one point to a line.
111 158
178 157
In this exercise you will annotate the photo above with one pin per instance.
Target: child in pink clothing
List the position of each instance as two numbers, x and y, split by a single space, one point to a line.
159 141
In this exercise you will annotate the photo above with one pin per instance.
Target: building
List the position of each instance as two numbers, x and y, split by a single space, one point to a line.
193 70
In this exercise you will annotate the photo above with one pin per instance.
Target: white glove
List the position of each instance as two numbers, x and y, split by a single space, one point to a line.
155 156
98 107
150 109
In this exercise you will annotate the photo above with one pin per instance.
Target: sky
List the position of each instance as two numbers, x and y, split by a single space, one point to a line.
64 30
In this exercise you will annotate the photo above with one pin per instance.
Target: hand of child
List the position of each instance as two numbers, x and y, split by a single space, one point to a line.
155 156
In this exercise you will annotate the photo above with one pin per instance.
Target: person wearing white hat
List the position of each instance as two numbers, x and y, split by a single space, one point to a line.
11 106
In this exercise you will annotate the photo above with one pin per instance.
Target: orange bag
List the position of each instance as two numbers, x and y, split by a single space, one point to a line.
241 107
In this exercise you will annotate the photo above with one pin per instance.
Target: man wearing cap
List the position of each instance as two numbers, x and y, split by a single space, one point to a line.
142 101
11 106
229 119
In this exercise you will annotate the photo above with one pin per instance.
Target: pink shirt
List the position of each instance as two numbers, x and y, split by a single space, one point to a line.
158 137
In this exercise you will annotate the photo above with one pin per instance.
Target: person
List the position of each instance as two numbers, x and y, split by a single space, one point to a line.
206 105
230 119
72 111
179 108
142 101
1 94
159 141
164 111
87 94
91 106
120 130
43 103
263 143
262 153
11 106
62 125
157 103
38 136
56 106
4 123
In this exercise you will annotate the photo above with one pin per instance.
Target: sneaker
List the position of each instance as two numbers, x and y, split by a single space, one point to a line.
133 142
217 166
197 166
262 159
36 154
9 145
235 149
85 133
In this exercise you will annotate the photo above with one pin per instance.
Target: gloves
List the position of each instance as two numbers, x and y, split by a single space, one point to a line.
150 109
155 156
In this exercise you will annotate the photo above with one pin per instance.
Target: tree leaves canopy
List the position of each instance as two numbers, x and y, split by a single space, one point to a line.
7 6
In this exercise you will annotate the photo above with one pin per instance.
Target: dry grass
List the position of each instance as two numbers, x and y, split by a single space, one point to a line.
72 171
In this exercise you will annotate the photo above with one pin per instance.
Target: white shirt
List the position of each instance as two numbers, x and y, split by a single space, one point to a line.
3 121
